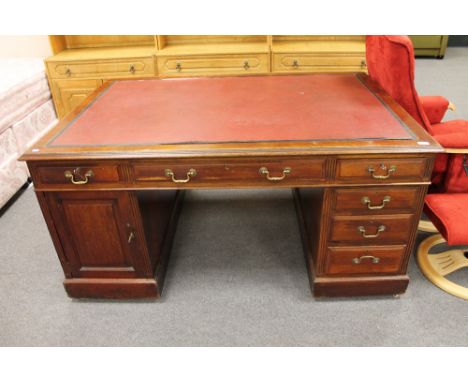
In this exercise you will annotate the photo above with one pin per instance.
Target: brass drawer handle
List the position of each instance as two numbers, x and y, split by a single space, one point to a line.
68 72
295 64
190 174
132 69
178 67
362 230
366 201
358 260
264 171
383 167
76 172
246 65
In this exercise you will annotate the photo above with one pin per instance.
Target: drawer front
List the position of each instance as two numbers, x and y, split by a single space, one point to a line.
371 230
236 173
78 176
381 170
315 63
138 67
375 200
364 260
199 65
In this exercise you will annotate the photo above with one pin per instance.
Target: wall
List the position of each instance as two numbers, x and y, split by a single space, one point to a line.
24 46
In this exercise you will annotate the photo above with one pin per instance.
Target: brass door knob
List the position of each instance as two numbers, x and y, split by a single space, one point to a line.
246 65
295 64
178 67
132 69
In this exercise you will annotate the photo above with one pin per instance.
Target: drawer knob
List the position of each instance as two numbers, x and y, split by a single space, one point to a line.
132 69
382 167
295 64
264 171
246 65
82 179
365 235
363 64
190 174
358 260
68 72
178 67
366 201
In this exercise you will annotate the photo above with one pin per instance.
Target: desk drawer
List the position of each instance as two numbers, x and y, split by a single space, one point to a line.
102 69
261 172
381 170
77 175
371 230
375 200
364 260
314 63
216 64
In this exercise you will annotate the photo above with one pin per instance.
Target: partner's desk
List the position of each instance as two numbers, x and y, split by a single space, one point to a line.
109 177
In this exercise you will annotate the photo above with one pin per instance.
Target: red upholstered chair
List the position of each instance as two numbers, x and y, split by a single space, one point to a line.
390 61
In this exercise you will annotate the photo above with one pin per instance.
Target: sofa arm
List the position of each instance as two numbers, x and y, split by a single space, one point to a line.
434 107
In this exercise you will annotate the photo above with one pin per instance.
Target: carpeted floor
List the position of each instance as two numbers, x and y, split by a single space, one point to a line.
236 277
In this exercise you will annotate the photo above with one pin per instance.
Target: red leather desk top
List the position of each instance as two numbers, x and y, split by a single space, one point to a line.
233 109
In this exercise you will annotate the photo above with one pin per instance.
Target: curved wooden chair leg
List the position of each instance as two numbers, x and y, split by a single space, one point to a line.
436 266
427 226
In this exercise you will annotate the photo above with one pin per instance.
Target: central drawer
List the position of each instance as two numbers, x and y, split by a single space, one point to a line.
259 172
213 64
371 230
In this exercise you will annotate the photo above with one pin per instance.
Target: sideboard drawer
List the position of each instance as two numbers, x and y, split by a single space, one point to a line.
382 170
312 63
375 200
215 64
261 172
138 67
78 176
371 230
364 260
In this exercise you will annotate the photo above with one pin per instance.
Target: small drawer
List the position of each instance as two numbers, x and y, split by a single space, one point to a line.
313 63
364 260
381 170
138 67
78 176
259 172
375 200
390 229
216 64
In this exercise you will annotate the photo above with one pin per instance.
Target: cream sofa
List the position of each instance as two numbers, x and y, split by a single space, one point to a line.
26 112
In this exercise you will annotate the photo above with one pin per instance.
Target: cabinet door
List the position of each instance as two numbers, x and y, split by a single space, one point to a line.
69 94
98 234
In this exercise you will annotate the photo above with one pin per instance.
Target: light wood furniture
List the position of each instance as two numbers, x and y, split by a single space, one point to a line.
110 182
81 63
429 45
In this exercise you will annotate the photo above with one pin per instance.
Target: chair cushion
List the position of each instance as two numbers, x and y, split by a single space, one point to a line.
448 213
451 134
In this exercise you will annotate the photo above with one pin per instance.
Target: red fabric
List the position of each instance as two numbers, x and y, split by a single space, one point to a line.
390 61
456 178
435 107
451 134
234 109
448 213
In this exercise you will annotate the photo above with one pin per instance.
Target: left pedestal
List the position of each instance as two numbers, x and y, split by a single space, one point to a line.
112 244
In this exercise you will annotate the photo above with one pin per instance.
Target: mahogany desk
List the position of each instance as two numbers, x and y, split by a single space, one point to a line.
110 177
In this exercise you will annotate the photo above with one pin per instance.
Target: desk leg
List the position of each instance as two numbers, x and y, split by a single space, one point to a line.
112 244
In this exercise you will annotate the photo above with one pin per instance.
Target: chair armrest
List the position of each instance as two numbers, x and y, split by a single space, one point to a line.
434 107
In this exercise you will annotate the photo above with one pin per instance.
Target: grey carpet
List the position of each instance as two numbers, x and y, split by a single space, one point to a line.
236 277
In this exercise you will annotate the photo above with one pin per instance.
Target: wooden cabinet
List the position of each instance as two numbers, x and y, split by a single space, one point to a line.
430 45
81 62
68 94
112 244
